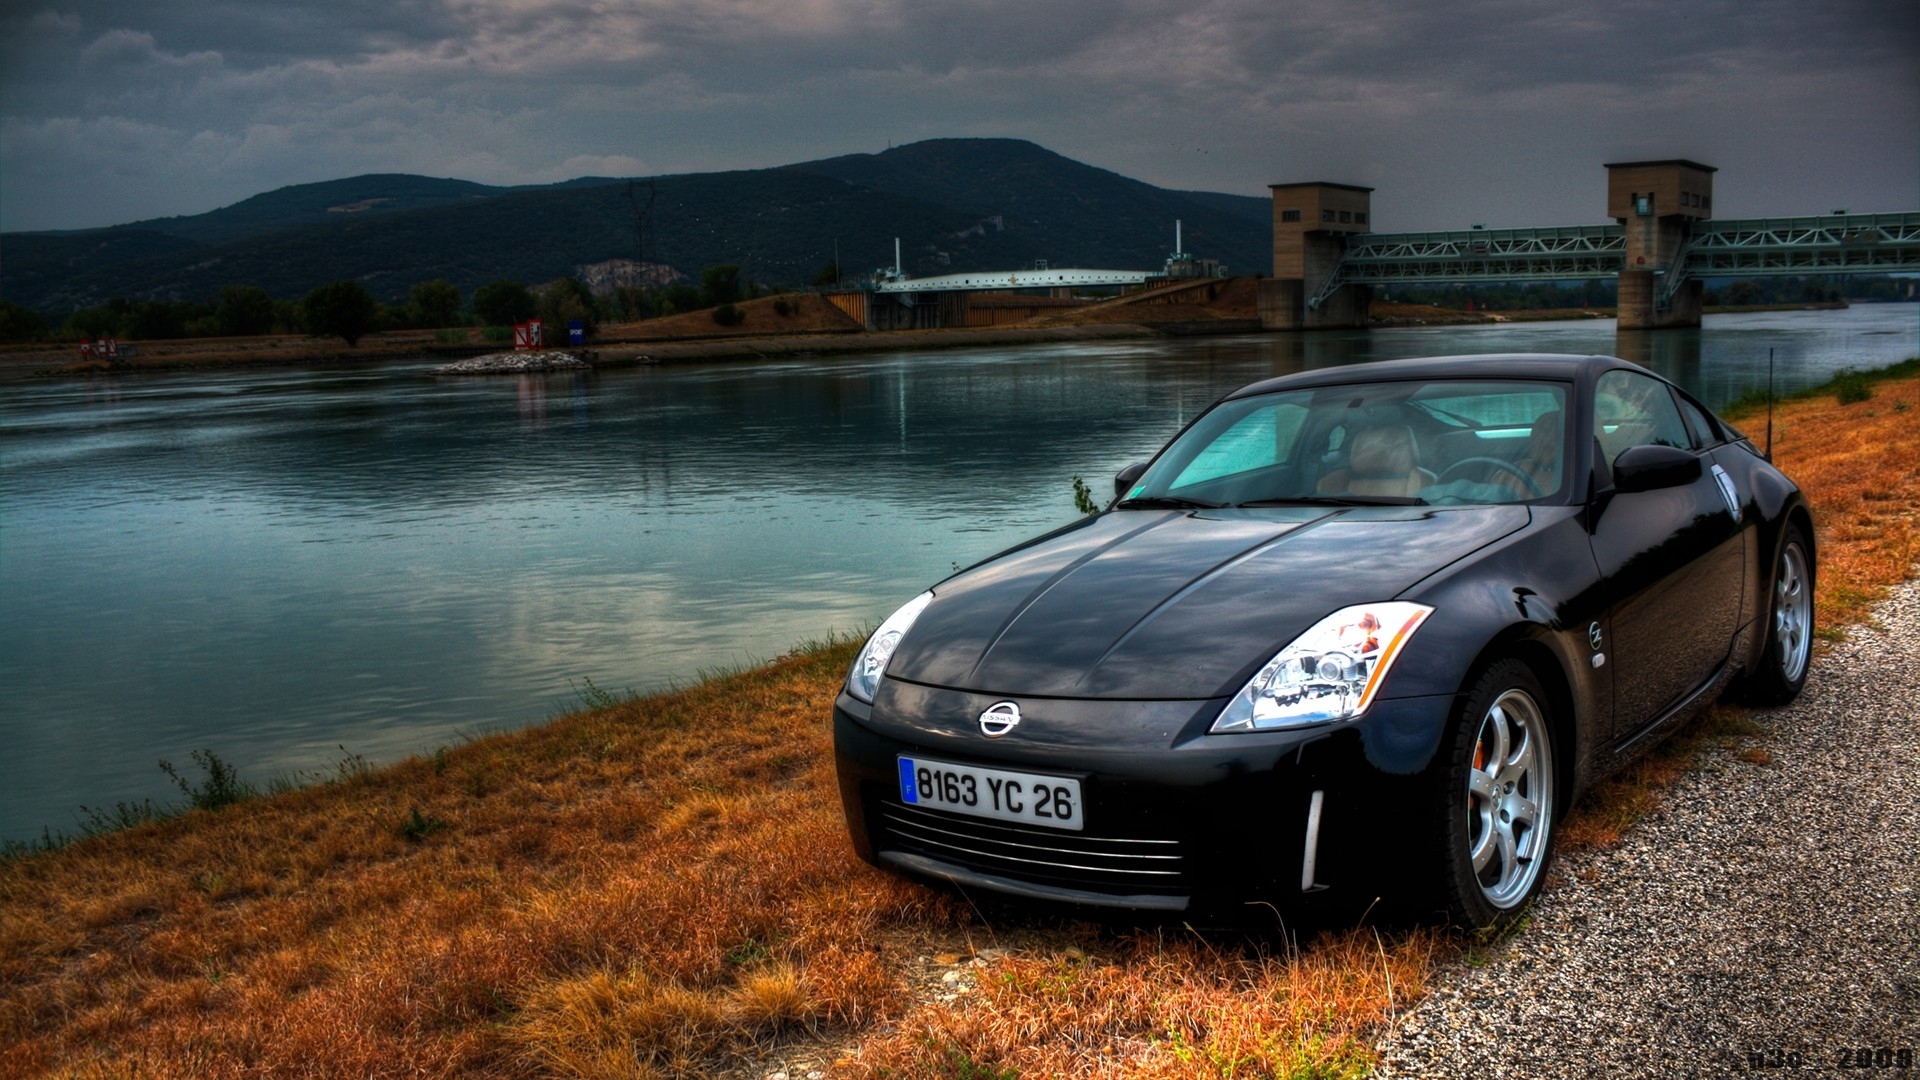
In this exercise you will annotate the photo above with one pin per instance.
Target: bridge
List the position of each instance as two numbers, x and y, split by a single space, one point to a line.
1662 244
1838 244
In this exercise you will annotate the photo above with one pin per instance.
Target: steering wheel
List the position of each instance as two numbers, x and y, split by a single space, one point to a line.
1498 465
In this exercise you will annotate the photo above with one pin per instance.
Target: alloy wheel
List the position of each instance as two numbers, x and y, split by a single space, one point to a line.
1510 799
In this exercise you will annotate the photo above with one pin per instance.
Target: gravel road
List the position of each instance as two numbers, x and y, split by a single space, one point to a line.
1764 921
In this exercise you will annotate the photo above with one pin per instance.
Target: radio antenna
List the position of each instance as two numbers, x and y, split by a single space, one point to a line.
1769 454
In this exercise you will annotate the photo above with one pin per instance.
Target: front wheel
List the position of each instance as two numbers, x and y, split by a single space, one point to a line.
1498 797
1784 661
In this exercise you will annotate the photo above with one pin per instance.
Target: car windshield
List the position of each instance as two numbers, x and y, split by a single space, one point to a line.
1440 442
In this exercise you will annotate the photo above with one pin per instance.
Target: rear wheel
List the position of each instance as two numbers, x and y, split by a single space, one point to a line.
1498 797
1784 661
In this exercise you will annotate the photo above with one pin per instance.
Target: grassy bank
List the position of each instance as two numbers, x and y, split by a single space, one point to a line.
662 887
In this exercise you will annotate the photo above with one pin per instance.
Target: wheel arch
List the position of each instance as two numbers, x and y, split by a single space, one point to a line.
1527 643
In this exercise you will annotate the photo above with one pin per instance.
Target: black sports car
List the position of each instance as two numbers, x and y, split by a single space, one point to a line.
1364 630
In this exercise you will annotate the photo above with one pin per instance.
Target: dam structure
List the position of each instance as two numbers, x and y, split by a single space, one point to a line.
1662 244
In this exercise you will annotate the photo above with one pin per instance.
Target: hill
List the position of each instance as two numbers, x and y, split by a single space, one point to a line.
955 204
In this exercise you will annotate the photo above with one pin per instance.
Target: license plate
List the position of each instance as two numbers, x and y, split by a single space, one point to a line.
1051 802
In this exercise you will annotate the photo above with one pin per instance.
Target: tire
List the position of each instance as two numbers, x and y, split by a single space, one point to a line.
1784 660
1497 796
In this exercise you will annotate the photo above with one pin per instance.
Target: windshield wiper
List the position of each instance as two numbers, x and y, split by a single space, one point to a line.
1166 502
1338 500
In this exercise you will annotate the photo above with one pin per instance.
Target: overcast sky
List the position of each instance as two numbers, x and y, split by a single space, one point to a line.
1493 111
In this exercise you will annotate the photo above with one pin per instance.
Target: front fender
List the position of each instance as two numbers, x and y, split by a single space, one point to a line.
1536 594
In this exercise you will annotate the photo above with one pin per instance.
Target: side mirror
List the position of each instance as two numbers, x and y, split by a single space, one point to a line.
1645 468
1124 480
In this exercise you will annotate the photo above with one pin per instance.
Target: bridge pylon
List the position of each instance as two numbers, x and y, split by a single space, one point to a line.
1657 202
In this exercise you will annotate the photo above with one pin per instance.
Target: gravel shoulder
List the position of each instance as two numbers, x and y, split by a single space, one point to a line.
1764 921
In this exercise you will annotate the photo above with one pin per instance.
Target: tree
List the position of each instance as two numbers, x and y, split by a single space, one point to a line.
503 303
342 308
96 322
20 324
244 309
565 300
434 304
828 274
152 320
722 284
677 297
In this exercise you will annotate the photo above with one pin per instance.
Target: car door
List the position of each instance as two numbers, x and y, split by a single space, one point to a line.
1671 557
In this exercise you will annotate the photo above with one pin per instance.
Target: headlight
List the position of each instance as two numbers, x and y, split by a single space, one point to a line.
864 679
1328 673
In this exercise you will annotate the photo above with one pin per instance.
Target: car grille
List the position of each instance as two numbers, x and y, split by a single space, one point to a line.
1044 856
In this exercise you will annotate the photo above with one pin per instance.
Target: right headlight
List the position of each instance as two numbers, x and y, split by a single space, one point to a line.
864 678
1328 673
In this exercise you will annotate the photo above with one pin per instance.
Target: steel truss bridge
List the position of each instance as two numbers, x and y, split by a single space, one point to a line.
1835 244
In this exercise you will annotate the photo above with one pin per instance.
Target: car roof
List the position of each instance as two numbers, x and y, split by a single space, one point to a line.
1558 366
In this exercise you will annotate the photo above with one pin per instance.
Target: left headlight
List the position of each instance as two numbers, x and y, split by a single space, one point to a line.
1328 673
864 679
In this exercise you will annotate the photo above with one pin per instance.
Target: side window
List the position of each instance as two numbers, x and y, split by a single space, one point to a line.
1262 438
1705 432
1630 409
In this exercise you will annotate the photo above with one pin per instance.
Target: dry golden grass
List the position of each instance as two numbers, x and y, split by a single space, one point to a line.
662 884
1164 1005
664 888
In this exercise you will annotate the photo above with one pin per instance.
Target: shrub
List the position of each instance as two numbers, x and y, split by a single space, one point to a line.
728 315
222 787
1083 497
1851 387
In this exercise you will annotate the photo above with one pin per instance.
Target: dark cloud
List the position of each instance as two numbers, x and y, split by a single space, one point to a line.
1483 110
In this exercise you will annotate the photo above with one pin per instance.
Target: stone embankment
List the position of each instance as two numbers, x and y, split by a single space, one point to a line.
514 363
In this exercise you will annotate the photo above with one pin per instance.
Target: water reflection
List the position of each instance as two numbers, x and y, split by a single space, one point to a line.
1673 353
276 564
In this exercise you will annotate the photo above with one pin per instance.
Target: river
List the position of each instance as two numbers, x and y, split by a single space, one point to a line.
289 566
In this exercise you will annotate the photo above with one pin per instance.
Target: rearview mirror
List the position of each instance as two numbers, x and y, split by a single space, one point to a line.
1124 480
1645 468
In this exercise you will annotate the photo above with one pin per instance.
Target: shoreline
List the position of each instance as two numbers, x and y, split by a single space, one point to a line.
286 350
303 352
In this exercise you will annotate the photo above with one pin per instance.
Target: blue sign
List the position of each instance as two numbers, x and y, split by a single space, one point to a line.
576 332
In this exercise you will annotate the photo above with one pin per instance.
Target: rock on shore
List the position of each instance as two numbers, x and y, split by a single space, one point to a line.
514 363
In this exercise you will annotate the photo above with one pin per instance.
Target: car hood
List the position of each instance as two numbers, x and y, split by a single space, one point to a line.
1174 605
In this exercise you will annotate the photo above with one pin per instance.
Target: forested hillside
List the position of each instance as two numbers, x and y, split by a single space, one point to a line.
955 204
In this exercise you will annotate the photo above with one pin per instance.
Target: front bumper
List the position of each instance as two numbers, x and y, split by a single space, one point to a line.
1175 819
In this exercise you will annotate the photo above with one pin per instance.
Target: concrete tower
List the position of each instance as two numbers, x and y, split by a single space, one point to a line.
1658 202
1311 223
